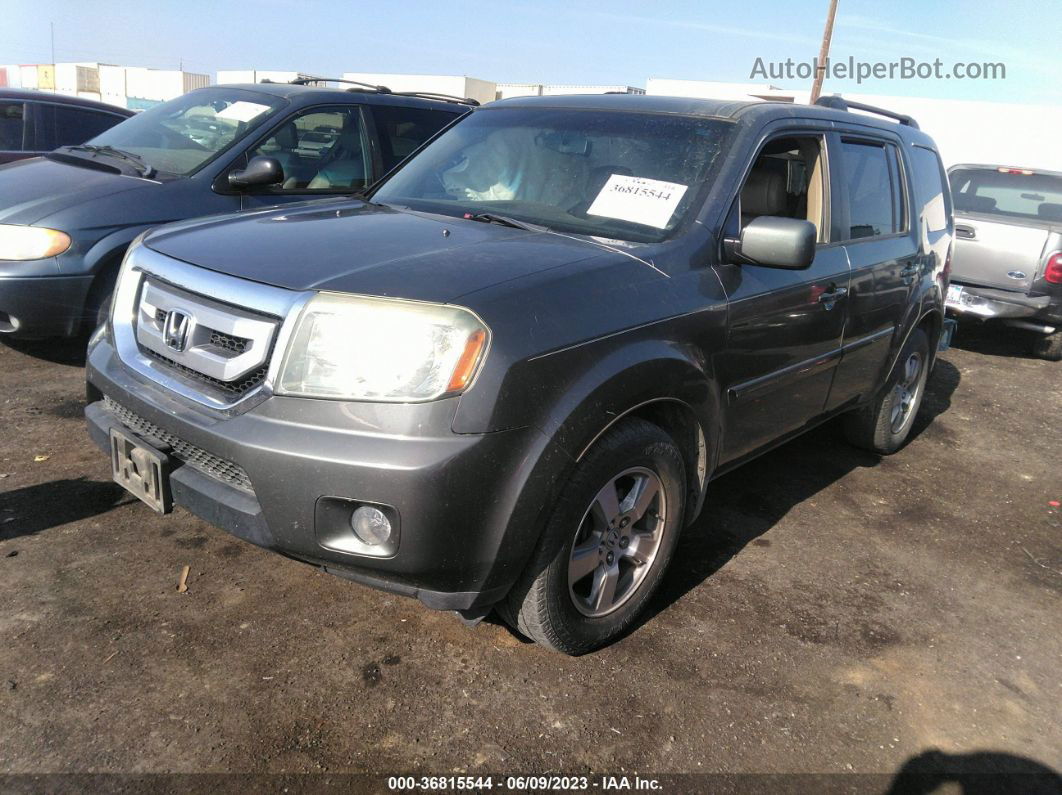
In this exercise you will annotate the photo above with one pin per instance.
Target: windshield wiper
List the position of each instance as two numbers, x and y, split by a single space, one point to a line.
137 161
504 220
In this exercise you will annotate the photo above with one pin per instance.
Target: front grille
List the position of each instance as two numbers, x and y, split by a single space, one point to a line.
233 389
222 350
229 342
192 455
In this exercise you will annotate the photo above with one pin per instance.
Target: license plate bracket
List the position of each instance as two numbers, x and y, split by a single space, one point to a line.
141 470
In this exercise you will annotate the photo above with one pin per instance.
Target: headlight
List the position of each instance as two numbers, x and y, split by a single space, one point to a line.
381 349
31 242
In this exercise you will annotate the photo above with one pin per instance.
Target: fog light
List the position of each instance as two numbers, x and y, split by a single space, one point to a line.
370 525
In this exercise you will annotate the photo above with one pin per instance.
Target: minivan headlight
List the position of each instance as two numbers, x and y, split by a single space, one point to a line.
31 242
381 349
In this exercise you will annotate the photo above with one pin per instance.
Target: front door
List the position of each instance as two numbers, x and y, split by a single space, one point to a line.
323 151
785 326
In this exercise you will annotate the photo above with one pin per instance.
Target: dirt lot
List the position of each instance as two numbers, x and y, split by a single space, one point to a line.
831 612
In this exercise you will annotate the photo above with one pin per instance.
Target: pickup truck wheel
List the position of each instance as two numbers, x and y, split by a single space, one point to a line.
607 543
884 425
1048 346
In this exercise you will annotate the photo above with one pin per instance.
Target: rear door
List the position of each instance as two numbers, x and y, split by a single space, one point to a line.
873 201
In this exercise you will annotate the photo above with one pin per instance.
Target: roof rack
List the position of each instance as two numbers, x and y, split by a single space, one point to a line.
441 97
302 81
837 102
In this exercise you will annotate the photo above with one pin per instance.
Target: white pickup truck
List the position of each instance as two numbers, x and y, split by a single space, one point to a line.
1007 259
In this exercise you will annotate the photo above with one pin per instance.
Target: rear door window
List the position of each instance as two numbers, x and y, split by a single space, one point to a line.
873 195
62 126
403 130
12 126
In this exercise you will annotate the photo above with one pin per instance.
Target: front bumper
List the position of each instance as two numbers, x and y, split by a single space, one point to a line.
43 306
987 303
469 506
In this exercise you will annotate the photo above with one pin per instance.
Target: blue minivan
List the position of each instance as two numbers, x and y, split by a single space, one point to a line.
67 217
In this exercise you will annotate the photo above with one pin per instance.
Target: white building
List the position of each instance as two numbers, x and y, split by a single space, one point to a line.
966 131
506 90
229 76
453 85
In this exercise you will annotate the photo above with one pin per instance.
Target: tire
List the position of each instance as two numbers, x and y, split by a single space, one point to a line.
588 552
883 426
1048 346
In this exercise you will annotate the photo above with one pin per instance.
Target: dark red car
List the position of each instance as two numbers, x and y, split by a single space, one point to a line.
35 122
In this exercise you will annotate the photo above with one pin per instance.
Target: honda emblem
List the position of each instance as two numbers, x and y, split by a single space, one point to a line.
175 330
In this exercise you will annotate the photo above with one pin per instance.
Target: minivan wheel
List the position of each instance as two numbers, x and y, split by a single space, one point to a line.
883 426
607 543
1048 346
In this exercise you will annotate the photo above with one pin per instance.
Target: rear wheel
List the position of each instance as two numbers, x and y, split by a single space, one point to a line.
1048 346
607 543
883 426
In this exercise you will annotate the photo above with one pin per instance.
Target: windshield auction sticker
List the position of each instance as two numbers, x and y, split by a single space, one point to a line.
242 111
641 201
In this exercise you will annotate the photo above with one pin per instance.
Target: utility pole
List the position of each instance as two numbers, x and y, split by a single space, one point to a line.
824 52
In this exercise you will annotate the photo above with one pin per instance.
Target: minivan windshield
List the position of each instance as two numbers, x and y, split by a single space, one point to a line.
615 174
180 136
1007 192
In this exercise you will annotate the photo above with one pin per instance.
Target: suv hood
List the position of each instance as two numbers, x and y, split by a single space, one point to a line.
31 190
356 247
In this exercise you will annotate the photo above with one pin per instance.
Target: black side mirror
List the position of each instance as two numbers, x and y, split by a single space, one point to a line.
261 171
777 242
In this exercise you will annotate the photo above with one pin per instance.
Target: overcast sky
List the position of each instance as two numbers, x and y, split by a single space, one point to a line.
619 41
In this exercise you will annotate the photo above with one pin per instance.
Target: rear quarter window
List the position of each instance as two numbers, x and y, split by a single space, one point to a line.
930 195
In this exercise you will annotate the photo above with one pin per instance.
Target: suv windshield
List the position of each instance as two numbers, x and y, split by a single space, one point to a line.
1011 193
620 175
180 136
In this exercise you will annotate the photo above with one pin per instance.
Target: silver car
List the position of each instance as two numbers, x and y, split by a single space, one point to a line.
1007 261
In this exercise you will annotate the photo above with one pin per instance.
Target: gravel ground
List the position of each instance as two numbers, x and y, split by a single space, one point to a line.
831 612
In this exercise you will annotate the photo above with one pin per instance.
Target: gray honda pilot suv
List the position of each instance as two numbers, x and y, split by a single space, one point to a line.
503 378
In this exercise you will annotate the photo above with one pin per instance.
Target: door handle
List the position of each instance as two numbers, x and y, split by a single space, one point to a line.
910 272
832 295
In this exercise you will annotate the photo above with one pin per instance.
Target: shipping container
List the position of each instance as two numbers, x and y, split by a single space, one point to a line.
46 77
112 84
73 78
193 80
28 75
454 85
231 76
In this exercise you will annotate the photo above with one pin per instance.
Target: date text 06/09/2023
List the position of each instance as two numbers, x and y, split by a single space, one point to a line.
522 783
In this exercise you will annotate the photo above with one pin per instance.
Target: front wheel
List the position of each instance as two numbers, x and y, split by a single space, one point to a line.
883 426
607 543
